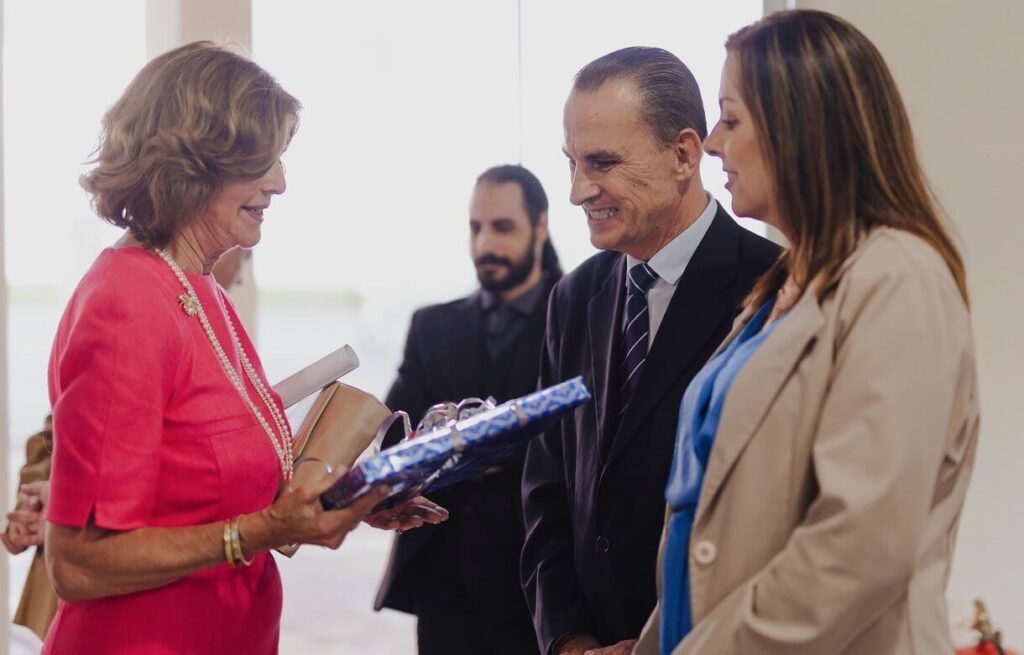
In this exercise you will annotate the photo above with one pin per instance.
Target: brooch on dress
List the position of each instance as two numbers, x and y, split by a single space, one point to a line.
188 304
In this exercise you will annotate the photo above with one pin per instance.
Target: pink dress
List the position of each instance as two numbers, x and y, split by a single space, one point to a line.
149 432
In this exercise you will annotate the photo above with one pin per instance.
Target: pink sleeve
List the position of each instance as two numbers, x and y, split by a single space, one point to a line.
112 370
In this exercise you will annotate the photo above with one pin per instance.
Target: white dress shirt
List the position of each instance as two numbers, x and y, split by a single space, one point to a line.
669 263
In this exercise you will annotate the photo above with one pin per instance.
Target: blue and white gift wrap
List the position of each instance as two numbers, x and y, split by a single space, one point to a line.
454 452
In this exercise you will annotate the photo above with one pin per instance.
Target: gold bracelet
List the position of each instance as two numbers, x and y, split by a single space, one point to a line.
228 550
236 543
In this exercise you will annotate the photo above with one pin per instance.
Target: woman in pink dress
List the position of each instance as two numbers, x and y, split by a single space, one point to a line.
172 456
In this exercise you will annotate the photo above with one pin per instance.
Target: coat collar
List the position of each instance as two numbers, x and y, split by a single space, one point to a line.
604 312
757 385
467 330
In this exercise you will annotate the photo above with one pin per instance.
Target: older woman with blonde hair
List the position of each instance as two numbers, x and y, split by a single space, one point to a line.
172 456
824 452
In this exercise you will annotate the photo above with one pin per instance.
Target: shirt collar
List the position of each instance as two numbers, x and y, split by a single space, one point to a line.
524 304
670 262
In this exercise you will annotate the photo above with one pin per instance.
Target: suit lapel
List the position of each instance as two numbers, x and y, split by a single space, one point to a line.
702 301
604 316
468 334
756 387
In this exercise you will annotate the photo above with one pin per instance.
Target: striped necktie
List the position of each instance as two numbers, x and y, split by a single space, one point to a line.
635 337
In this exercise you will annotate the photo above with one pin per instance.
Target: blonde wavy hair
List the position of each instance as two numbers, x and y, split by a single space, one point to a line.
193 119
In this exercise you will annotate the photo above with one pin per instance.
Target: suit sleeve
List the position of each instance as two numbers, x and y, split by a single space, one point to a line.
547 570
901 358
409 390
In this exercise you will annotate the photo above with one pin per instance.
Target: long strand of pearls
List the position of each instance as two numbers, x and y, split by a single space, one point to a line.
192 306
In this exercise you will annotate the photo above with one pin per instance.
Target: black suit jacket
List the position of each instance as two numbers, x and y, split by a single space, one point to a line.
479 546
592 522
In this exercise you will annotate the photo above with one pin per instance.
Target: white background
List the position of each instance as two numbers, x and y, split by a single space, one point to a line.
405 103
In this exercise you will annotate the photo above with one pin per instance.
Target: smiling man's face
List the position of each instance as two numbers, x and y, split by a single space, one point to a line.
625 180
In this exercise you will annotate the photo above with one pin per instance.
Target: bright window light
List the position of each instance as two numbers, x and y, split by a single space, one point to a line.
405 104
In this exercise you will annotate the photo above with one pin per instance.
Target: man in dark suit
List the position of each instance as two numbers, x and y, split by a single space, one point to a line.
637 322
461 579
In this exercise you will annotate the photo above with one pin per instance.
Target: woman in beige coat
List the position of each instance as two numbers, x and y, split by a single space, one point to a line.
823 455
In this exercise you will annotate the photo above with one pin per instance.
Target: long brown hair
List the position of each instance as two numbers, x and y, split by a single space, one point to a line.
838 143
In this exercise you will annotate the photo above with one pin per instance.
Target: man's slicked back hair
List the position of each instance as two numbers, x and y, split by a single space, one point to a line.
668 90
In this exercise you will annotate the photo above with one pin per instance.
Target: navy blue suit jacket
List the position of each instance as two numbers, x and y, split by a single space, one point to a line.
593 522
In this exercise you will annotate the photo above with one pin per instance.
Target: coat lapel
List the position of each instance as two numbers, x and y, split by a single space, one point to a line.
702 301
468 333
604 314
756 387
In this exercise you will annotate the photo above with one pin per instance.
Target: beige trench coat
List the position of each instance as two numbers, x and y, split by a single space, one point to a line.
830 505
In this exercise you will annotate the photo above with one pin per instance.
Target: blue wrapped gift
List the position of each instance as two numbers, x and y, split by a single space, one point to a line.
459 449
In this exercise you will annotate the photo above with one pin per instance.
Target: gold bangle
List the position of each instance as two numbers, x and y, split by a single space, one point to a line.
228 550
236 543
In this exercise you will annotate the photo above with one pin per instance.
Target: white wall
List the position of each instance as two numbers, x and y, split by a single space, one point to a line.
958 67
4 610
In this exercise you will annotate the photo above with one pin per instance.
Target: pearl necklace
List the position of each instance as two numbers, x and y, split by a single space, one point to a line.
191 306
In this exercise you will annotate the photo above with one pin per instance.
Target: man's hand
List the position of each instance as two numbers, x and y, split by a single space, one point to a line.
621 648
410 514
578 645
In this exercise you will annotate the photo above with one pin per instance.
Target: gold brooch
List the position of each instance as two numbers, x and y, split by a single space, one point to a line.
188 304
